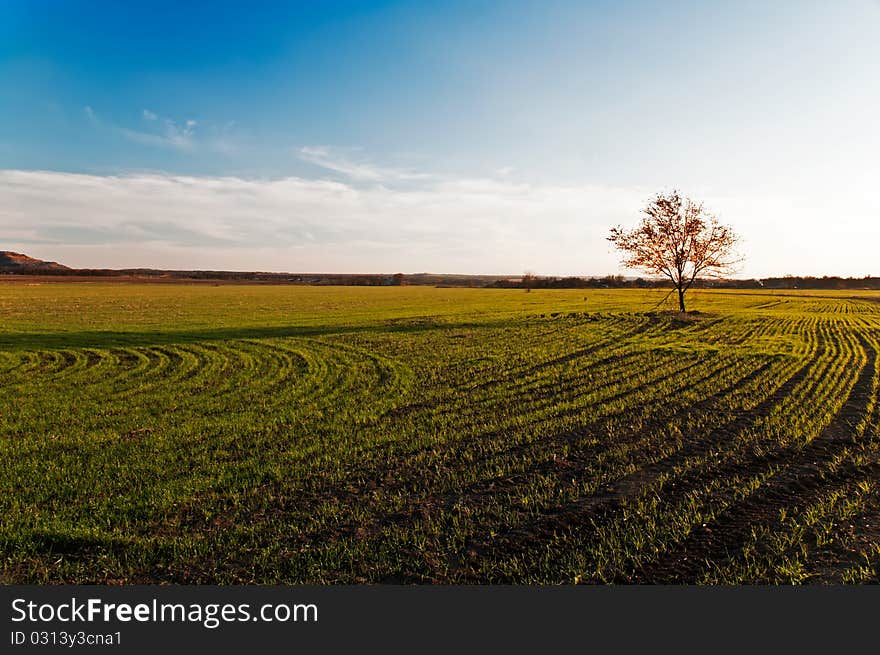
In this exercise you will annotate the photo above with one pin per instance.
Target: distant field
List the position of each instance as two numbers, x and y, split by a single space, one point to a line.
239 434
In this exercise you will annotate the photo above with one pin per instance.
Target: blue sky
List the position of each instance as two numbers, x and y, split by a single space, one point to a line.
485 137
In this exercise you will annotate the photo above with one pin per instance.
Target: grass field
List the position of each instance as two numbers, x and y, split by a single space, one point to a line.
240 434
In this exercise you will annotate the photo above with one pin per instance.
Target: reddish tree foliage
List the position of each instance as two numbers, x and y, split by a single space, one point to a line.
679 239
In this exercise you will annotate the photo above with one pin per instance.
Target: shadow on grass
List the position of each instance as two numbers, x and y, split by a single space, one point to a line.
114 339
70 544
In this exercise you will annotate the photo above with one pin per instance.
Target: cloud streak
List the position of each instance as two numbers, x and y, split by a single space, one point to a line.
479 225
163 132
340 161
299 224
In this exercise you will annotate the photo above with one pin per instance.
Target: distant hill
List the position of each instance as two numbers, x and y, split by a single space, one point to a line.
15 262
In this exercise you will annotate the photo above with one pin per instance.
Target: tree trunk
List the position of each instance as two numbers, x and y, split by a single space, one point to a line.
681 300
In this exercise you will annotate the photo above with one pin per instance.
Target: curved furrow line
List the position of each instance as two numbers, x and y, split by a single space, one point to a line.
563 389
96 367
795 476
605 402
860 562
99 363
281 374
840 544
383 373
519 465
558 397
51 362
612 356
82 363
215 372
559 385
611 397
144 380
588 463
643 327
815 540
318 369
186 362
611 495
23 364
131 363
139 377
300 376
8 361
592 513
744 336
763 382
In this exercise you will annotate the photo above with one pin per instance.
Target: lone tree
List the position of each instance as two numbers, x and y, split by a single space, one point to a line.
679 239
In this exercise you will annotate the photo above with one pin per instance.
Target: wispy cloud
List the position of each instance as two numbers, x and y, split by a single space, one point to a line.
477 225
341 161
163 132
300 224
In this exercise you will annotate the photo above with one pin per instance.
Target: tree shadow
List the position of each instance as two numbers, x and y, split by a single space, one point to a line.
123 339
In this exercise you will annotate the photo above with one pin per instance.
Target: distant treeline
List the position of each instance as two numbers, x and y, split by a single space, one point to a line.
621 282
339 279
441 280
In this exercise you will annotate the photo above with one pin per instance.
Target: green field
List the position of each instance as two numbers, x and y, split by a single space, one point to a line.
241 434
